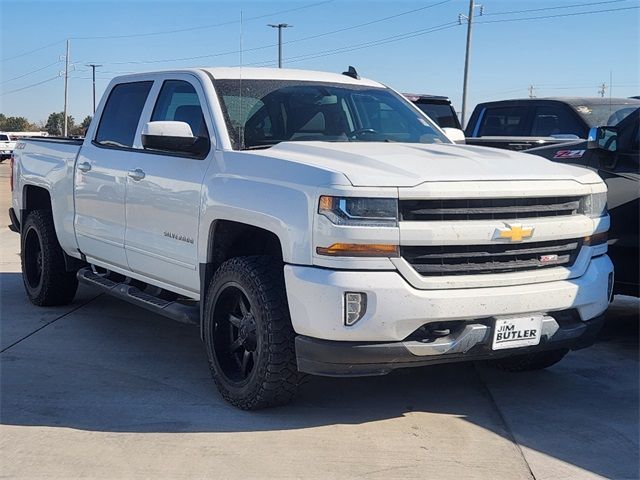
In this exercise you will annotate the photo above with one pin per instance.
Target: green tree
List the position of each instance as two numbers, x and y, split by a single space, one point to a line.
86 122
55 126
80 130
15 124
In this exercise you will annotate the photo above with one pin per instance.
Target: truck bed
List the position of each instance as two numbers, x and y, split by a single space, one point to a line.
49 163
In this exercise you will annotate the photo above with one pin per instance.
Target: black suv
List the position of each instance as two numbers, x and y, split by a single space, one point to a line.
439 109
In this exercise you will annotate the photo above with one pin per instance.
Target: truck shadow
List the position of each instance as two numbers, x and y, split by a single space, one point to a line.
111 367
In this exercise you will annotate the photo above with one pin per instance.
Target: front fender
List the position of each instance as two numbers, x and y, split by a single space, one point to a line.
285 210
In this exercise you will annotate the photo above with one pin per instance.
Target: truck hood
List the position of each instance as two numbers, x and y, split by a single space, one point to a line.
369 164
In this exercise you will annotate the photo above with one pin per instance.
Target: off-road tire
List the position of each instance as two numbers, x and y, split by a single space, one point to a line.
54 285
530 361
275 378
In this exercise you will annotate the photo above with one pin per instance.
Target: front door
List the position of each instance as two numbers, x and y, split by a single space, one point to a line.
163 198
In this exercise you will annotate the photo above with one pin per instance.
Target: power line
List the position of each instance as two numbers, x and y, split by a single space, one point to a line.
30 73
575 5
360 46
31 51
165 32
574 14
30 86
202 27
288 42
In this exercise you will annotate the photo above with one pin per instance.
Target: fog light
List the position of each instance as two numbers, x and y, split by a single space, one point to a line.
610 287
355 306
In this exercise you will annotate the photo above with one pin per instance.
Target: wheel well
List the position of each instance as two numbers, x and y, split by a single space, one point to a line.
38 198
228 239
35 198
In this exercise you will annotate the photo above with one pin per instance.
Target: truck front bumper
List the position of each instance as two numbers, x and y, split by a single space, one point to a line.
472 342
385 337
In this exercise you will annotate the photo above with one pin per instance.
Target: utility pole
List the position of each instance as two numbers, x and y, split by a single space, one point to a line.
603 89
66 87
93 68
532 91
280 26
469 19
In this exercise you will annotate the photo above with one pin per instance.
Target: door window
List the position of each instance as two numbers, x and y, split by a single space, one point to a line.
551 120
121 114
504 122
178 101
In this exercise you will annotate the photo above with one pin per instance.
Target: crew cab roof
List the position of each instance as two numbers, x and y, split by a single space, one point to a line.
255 73
252 73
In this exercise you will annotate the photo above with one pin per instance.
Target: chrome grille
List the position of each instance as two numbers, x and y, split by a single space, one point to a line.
495 258
488 208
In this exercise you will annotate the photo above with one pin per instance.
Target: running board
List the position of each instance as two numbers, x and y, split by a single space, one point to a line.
174 310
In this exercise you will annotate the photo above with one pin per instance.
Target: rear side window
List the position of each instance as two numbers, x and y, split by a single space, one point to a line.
178 101
4 138
442 113
504 121
550 120
121 114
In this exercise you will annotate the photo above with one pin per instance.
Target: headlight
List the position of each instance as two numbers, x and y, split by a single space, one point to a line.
594 205
360 212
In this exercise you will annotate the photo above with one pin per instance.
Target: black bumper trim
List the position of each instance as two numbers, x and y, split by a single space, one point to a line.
357 359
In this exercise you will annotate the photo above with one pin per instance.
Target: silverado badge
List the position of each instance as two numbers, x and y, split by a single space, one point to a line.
515 232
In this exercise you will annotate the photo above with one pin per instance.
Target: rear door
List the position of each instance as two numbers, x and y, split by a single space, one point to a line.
100 174
163 199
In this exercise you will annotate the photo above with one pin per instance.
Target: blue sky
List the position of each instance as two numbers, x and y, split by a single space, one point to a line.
564 55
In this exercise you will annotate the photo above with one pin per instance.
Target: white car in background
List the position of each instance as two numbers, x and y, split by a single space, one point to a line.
7 144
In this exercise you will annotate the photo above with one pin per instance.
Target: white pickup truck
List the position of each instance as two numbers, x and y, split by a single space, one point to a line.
312 222
7 144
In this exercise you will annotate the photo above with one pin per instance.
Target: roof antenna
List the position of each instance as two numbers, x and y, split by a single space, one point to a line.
241 116
352 73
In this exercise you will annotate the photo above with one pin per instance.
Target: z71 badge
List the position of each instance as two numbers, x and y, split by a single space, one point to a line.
569 154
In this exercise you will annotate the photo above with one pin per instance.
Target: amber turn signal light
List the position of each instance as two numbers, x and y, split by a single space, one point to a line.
358 250
596 239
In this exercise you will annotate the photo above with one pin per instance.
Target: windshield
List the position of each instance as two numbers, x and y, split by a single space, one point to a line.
604 114
273 111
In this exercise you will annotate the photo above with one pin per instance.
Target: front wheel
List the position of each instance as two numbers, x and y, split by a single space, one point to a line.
530 361
248 333
46 279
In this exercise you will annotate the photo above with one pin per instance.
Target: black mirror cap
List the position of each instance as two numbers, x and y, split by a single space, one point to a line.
192 146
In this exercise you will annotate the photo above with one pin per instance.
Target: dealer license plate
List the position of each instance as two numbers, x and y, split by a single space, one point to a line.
517 332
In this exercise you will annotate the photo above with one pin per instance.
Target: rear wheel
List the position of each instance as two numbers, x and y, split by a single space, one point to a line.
44 273
248 334
530 361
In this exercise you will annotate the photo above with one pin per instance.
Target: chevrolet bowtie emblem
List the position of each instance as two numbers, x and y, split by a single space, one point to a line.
515 232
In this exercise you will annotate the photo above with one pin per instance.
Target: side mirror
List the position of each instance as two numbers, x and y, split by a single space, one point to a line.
603 138
175 137
455 135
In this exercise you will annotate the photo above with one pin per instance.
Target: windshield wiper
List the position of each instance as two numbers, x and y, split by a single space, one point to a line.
259 147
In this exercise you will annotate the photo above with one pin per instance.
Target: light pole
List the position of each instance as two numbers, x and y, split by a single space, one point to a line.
66 87
469 19
280 26
93 69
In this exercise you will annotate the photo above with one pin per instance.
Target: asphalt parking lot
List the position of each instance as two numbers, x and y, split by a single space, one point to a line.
102 389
